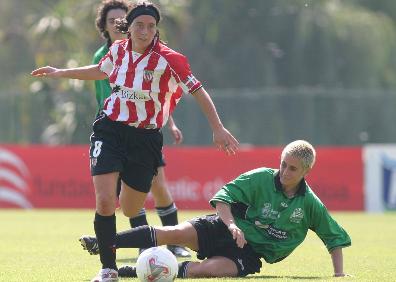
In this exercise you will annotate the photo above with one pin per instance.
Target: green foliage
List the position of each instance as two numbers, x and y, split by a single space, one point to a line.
42 245
291 43
231 44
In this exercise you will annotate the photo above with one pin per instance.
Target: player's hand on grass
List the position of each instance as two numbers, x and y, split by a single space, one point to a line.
237 235
342 275
47 71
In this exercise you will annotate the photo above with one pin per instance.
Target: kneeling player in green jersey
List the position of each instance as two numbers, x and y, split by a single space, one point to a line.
264 213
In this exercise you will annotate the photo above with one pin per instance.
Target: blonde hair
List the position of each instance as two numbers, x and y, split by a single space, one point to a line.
302 150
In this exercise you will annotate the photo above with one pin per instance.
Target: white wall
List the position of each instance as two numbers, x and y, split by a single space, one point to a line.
380 177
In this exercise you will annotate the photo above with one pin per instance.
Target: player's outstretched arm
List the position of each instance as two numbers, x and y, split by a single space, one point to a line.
222 138
90 72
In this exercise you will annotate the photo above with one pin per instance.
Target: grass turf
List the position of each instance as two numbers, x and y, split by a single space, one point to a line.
42 245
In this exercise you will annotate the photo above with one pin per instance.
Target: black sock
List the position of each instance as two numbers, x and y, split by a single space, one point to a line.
105 230
182 272
139 220
168 215
139 237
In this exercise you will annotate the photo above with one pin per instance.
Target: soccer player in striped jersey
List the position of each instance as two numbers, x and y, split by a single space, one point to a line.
108 12
147 80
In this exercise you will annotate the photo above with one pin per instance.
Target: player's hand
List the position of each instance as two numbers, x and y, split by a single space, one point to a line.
177 134
342 275
224 140
47 71
237 235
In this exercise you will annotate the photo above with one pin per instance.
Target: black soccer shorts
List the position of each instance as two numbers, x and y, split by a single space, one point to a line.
134 152
214 239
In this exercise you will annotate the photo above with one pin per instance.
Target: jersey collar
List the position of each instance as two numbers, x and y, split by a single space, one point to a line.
301 189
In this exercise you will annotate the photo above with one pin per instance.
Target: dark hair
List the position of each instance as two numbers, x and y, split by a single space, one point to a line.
104 8
138 9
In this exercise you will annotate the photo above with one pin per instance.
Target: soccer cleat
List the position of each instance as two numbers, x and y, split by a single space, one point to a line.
179 251
90 244
127 271
106 275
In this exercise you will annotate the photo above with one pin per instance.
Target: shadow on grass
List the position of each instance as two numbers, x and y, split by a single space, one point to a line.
127 260
134 259
284 277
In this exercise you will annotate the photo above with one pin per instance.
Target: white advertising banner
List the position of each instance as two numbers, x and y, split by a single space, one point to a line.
380 177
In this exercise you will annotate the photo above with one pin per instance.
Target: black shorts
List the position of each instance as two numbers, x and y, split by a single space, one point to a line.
134 152
161 164
214 239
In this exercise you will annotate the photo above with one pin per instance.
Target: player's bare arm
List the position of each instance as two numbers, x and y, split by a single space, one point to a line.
224 212
338 262
222 138
90 72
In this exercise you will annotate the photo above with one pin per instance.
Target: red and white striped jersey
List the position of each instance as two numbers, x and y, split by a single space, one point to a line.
145 89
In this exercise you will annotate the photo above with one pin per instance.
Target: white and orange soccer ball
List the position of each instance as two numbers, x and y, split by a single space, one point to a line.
156 264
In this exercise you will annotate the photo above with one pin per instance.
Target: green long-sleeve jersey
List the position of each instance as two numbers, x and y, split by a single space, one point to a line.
273 224
102 87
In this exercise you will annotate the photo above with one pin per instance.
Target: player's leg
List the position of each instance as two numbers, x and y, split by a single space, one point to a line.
163 201
164 205
145 236
105 166
105 193
131 200
183 234
205 235
166 208
136 183
144 156
212 267
223 260
138 220
105 223
162 196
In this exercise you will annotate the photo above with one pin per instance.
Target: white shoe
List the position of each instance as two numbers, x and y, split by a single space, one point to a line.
106 275
179 251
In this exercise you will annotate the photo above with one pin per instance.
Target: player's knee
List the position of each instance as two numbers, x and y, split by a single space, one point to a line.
178 232
104 206
172 234
129 212
158 189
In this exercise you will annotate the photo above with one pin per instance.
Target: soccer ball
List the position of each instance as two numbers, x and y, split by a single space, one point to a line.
156 264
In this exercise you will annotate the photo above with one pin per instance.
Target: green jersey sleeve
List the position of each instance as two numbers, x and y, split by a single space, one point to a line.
102 87
328 230
245 192
233 192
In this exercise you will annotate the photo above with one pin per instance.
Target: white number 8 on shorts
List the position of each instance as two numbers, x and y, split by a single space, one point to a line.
97 149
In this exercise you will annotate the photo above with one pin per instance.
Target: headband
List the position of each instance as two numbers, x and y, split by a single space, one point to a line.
144 10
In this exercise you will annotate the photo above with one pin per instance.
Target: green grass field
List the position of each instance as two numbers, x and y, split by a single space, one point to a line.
42 245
